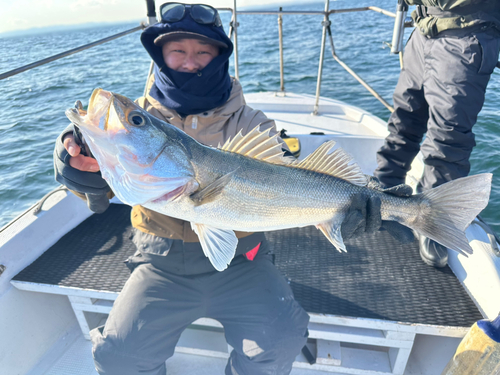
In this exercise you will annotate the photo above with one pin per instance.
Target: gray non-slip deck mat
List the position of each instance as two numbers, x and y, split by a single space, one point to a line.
377 278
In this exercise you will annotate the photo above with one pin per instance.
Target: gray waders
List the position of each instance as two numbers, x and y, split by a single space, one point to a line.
439 93
262 321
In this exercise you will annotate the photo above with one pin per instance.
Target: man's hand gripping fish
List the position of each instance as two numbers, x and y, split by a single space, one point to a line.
248 185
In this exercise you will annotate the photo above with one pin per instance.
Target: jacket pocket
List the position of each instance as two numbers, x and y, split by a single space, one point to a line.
490 47
149 244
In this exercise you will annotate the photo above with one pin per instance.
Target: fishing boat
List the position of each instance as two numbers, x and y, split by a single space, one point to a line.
377 310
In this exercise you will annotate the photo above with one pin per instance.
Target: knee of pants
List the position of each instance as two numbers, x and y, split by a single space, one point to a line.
276 358
110 358
274 347
291 326
286 330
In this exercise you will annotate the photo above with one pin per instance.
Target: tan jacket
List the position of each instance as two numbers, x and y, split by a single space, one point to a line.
210 128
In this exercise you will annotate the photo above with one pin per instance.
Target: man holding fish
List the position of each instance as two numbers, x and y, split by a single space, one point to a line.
189 197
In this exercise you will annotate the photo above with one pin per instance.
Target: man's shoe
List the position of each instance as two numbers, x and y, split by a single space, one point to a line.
432 253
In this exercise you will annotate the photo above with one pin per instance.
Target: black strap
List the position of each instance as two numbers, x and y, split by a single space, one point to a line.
309 357
459 11
421 11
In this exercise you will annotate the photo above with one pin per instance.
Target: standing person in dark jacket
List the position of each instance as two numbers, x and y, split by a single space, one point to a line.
448 62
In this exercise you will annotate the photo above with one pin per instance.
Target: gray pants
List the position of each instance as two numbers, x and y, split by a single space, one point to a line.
440 92
262 321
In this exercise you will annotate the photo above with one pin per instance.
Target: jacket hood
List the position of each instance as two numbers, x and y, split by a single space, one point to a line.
185 28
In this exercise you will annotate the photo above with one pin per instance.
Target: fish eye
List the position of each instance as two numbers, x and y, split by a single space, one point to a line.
136 119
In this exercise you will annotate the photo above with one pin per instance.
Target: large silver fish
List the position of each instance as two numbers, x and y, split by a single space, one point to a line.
247 184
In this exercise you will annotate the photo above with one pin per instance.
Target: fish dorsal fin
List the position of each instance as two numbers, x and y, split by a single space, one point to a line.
338 164
257 145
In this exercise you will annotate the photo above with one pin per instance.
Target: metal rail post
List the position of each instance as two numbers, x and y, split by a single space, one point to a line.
325 23
282 73
150 4
399 29
235 42
358 78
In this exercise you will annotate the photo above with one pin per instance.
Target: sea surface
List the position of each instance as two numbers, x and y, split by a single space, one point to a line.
32 103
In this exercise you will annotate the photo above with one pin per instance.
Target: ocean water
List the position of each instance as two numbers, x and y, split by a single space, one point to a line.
32 104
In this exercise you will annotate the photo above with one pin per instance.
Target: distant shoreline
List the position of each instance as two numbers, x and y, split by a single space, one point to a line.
89 25
58 28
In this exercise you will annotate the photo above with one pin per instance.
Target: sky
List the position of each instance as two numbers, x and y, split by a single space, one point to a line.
27 14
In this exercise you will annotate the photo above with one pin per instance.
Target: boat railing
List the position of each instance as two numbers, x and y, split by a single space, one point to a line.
233 34
326 25
47 60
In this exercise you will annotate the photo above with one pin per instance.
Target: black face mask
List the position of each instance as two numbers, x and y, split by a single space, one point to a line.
191 93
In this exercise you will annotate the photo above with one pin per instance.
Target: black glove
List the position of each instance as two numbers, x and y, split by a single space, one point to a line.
364 214
89 183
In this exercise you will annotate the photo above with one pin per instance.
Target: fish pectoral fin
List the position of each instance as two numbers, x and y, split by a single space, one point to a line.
211 191
219 245
332 231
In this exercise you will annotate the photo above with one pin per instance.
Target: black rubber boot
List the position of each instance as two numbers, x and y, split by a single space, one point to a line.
432 253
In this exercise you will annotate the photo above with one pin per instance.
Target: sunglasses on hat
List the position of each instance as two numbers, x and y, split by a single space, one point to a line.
200 13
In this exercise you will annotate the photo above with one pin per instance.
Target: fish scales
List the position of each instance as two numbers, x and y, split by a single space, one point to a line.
283 197
248 185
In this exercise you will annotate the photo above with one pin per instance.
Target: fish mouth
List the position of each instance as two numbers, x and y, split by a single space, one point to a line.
100 101
99 108
107 112
96 116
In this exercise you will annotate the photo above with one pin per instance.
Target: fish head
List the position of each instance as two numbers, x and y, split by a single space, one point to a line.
141 157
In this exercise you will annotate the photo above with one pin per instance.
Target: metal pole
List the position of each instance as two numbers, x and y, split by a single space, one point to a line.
382 11
399 27
67 53
150 71
151 12
282 74
304 12
358 78
325 23
235 42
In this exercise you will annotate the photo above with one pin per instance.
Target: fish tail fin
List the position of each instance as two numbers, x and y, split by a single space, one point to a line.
447 210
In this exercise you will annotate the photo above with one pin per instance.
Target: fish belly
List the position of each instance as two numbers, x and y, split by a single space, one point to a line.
273 197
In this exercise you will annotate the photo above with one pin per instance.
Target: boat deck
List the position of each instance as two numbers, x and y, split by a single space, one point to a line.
376 279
